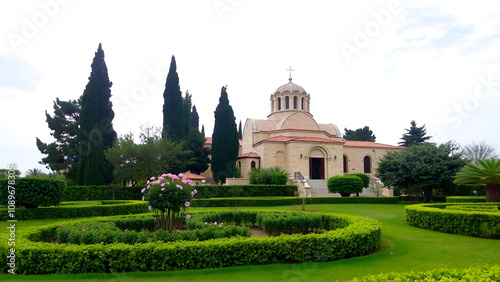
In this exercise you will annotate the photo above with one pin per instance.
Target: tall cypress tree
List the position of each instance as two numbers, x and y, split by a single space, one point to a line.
173 110
225 143
195 118
203 129
187 104
96 115
240 132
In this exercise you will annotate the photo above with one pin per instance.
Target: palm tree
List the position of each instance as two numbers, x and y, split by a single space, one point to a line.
35 172
484 172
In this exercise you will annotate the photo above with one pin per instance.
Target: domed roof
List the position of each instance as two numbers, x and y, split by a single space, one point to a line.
290 86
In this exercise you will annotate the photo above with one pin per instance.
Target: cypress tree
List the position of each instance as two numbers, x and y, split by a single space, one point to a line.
195 118
203 129
187 104
173 110
96 114
225 143
240 132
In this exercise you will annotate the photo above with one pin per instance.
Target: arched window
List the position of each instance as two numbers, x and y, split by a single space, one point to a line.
287 102
346 168
252 164
239 164
367 161
294 102
302 104
279 103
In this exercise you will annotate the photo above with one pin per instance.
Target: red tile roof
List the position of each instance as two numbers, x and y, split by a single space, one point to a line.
249 155
208 141
368 144
192 176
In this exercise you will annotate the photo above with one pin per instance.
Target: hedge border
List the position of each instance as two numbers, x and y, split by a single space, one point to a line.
117 207
466 199
362 236
471 223
284 201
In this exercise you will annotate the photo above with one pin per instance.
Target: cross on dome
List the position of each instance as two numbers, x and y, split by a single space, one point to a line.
290 70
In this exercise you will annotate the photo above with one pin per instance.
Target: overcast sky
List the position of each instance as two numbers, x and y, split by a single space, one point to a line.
365 63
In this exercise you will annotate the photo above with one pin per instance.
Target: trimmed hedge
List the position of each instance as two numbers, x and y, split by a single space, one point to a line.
361 236
106 209
93 193
466 199
31 192
284 201
472 223
280 221
421 198
223 191
477 273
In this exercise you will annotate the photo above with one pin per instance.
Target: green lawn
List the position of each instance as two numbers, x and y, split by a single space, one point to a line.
404 248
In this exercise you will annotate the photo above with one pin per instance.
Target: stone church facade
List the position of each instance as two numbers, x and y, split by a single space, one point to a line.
290 138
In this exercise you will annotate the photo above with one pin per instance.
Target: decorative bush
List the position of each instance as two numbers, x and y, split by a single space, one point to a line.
439 217
466 199
93 193
167 195
222 191
364 177
477 273
281 221
33 192
345 184
346 236
268 175
106 209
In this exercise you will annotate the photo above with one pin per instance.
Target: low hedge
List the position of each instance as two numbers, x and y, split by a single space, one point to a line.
466 199
223 191
421 198
472 223
106 209
93 193
477 273
284 201
360 237
280 221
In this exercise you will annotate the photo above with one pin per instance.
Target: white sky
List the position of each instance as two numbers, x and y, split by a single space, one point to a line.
375 63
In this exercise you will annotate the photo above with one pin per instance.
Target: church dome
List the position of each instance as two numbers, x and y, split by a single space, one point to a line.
290 87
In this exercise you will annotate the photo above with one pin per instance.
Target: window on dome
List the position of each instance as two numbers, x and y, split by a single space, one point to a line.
302 104
294 102
279 103
287 102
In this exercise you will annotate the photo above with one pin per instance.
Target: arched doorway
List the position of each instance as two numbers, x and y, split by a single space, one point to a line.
316 164
367 163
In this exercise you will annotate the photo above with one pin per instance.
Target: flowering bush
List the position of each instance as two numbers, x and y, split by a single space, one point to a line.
169 195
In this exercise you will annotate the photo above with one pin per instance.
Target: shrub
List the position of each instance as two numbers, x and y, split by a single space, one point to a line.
80 193
438 217
283 201
345 184
33 192
268 175
222 191
466 199
106 209
477 273
364 177
377 188
358 236
282 221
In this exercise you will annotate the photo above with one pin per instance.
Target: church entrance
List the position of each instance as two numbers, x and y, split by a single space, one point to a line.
317 168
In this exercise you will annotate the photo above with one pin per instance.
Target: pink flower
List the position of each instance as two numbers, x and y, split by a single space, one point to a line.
195 191
179 186
163 184
188 216
206 223
150 207
161 195
152 178
83 230
147 182
143 190
215 223
187 204
163 189
181 175
161 178
220 226
126 230
222 223
164 175
192 194
143 198
185 181
148 186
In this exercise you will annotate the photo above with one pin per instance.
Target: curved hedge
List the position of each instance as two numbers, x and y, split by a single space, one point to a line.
349 236
106 209
466 199
472 223
284 201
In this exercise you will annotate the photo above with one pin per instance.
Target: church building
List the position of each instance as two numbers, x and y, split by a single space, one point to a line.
290 138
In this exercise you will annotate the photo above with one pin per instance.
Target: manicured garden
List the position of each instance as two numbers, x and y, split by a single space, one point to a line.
404 248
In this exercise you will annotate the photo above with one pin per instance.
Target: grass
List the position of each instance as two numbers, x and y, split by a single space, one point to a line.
404 248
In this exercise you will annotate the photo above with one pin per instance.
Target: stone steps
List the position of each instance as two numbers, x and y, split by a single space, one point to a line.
319 189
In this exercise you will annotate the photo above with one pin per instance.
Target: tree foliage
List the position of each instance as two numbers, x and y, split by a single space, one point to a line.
474 152
96 133
174 125
240 131
225 143
62 154
483 172
419 169
360 134
269 175
414 135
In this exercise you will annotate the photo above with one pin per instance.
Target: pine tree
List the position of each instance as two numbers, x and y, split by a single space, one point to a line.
62 155
96 114
360 134
195 118
173 117
225 143
240 132
414 136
